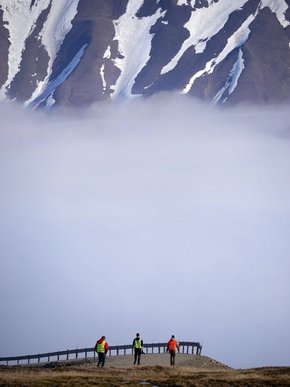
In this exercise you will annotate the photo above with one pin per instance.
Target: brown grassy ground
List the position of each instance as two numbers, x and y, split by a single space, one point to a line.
87 374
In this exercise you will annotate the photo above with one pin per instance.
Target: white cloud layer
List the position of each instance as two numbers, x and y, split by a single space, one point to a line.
165 217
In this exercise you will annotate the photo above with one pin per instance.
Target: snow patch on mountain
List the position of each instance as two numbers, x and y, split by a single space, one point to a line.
202 25
134 38
279 7
238 38
233 78
107 53
52 86
102 73
50 101
19 13
21 20
57 25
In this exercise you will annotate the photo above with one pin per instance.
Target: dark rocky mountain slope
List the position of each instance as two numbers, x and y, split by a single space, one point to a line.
77 52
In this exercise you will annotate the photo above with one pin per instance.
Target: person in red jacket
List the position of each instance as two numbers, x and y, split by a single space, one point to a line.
101 348
172 348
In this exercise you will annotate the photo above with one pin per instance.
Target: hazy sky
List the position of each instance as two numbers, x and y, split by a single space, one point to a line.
160 217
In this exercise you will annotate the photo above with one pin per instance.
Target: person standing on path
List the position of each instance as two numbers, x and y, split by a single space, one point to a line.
138 348
101 348
172 348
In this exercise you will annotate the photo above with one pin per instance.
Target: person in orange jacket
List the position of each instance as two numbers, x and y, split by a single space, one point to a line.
101 348
172 348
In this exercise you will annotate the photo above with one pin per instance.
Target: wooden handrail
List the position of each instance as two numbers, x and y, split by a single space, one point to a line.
114 350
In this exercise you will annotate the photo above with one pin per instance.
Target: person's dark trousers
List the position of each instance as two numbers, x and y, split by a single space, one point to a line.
101 359
137 355
172 358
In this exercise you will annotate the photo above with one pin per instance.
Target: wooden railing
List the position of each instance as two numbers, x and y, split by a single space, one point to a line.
188 347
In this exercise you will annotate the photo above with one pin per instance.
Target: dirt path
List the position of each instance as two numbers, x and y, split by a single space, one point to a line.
182 360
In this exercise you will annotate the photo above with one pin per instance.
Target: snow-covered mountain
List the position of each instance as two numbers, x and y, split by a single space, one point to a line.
76 52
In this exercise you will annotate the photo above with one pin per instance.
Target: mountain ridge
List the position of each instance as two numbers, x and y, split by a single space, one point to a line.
78 52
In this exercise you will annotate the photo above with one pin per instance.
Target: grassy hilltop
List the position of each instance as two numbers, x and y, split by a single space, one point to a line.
190 371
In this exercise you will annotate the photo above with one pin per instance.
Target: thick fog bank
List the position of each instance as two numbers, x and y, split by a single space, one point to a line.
163 217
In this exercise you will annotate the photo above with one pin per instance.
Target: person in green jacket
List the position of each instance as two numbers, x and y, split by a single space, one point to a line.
138 348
